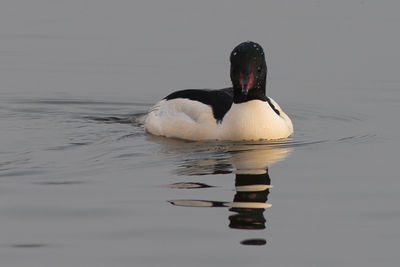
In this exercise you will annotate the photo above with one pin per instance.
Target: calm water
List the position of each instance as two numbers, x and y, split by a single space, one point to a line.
82 184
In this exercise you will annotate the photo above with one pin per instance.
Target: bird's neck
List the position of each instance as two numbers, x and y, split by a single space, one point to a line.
256 93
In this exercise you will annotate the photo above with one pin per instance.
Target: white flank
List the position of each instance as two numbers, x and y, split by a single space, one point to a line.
193 120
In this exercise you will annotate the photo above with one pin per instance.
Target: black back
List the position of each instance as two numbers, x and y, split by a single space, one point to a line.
219 100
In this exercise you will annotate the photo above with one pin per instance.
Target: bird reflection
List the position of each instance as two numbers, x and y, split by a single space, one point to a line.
249 203
250 163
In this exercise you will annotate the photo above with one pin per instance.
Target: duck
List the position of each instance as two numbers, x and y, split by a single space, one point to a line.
242 112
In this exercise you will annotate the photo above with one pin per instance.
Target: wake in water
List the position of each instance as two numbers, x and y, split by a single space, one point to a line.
134 119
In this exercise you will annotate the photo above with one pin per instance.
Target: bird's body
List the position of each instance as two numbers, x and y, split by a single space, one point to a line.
242 112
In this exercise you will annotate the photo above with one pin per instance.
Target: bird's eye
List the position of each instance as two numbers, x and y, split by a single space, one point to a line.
258 69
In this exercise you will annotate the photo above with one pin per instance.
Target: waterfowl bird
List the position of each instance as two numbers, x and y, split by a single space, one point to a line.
242 112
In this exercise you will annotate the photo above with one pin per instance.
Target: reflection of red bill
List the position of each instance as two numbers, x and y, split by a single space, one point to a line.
253 187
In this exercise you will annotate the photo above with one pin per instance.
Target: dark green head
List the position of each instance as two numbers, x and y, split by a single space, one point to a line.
248 72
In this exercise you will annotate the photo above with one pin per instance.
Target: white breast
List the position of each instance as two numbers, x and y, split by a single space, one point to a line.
255 120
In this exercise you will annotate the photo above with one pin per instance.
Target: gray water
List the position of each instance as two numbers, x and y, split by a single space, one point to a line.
82 184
